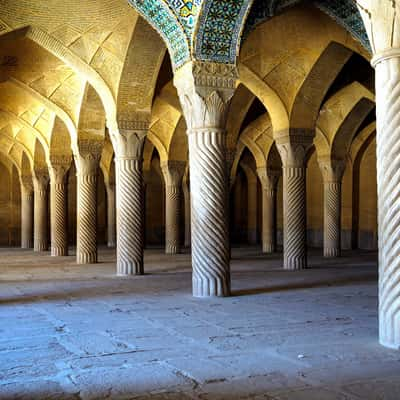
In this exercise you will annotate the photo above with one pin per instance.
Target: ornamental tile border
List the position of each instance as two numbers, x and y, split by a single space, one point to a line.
164 20
220 21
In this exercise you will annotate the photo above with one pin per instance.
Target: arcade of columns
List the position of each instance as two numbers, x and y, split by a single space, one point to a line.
90 90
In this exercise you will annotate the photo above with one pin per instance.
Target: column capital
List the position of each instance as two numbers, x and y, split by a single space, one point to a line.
88 157
269 177
173 172
332 170
293 147
26 182
205 90
58 167
381 21
40 178
129 141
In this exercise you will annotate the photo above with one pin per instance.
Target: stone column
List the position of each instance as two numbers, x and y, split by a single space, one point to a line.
381 20
205 91
87 164
293 151
332 173
111 233
173 173
128 145
58 205
186 199
251 204
26 212
40 238
269 181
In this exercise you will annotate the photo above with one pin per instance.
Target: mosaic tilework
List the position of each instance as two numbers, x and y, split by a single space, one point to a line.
160 15
219 31
186 12
220 23
344 12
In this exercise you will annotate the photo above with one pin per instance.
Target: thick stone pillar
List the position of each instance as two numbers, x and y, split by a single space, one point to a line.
111 232
26 212
173 173
205 91
128 145
293 152
58 205
186 199
332 173
381 20
87 164
40 237
269 181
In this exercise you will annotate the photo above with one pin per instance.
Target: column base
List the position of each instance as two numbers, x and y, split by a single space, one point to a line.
59 252
171 249
39 247
268 248
331 253
84 258
295 264
210 288
27 245
111 245
129 268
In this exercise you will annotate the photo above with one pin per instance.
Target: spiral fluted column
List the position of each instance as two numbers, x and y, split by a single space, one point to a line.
332 173
40 237
382 22
269 180
186 199
388 158
87 164
293 152
111 233
26 212
58 205
128 145
173 173
205 91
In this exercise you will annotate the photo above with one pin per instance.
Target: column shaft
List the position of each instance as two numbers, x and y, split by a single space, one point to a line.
268 219
209 195
294 218
58 217
172 219
111 233
332 219
40 215
26 217
186 195
129 216
388 158
252 211
86 247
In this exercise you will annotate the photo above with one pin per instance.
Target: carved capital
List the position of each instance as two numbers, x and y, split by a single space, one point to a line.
40 179
87 164
269 177
59 166
205 90
128 143
293 148
381 20
26 183
332 170
173 172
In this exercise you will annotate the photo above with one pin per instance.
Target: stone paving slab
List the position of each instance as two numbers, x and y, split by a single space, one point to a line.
78 332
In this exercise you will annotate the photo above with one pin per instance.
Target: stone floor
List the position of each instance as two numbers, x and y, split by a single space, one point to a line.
78 332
